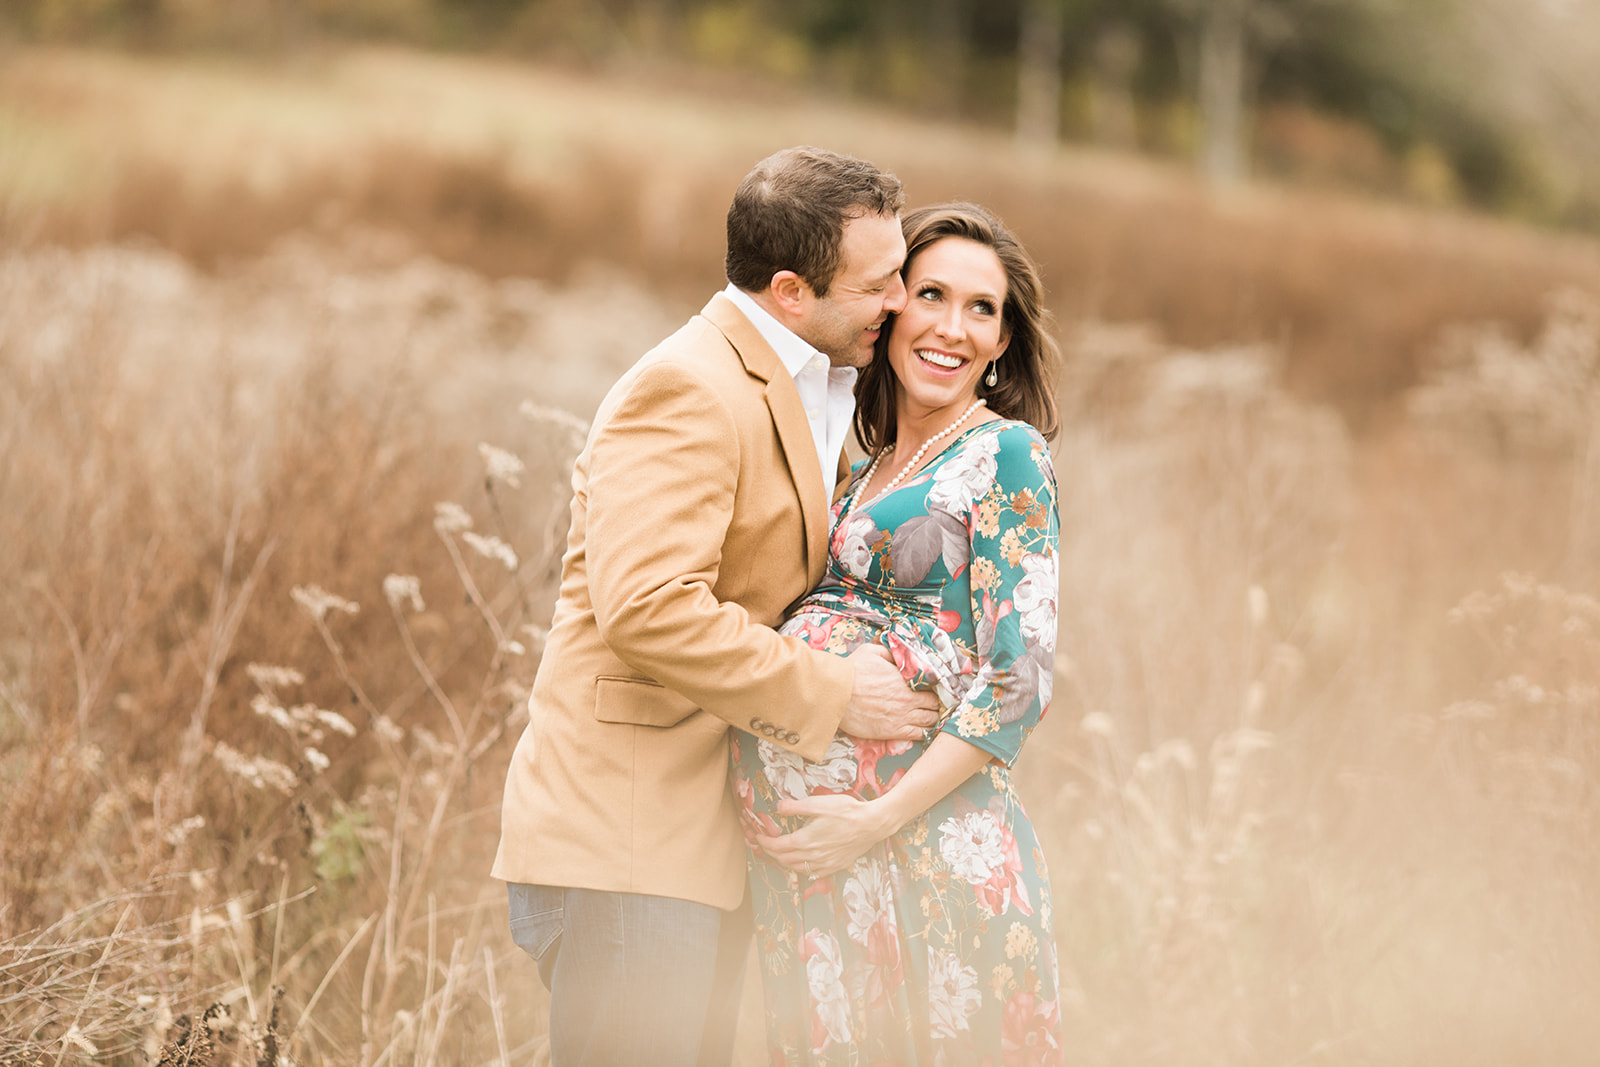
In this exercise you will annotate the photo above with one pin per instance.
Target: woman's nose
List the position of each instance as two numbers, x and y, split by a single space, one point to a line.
950 325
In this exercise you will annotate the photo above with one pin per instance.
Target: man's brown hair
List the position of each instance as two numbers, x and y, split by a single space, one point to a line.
789 214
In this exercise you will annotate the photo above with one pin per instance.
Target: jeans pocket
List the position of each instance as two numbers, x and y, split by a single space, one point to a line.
538 915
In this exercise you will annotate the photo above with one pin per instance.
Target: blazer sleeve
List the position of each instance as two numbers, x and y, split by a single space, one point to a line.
662 480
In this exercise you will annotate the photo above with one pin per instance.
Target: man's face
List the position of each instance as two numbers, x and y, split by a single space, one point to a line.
844 325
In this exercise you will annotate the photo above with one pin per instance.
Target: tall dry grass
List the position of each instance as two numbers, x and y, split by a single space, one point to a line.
266 642
1320 781
1319 787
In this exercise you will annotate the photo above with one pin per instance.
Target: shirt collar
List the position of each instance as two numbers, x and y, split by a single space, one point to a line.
792 352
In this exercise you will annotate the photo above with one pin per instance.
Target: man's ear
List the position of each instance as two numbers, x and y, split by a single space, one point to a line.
790 292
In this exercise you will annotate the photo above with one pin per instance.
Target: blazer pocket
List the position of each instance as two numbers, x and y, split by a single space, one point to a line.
639 702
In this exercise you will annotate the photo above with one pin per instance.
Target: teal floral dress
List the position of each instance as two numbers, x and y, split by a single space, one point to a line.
936 946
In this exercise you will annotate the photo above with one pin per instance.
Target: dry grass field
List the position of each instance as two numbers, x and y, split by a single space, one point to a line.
294 357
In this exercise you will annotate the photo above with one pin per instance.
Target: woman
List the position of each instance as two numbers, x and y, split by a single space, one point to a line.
911 922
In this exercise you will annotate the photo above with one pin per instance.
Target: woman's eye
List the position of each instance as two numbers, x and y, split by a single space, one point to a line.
928 293
985 308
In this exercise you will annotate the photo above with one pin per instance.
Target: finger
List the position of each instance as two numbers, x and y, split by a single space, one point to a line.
799 807
876 652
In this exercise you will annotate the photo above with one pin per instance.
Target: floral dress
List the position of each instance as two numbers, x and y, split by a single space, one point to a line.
936 946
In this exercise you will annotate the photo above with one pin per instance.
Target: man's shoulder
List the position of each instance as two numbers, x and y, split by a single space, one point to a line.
700 351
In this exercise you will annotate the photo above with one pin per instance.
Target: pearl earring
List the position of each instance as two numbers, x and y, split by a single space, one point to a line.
992 379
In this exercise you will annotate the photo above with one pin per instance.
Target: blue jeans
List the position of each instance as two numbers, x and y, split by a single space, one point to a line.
634 979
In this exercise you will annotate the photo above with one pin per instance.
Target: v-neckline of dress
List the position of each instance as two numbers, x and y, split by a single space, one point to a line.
853 503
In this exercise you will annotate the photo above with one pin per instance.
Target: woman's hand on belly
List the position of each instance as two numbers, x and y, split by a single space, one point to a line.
838 831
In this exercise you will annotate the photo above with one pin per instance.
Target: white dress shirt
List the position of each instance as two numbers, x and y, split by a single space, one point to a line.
827 392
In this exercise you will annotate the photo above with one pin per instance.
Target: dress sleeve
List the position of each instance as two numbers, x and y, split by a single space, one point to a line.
1014 531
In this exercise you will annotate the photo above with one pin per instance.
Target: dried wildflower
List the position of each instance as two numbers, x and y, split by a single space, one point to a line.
318 761
334 721
259 771
491 547
387 730
318 601
264 706
403 590
269 677
74 1038
1098 724
500 465
450 517
180 833
576 427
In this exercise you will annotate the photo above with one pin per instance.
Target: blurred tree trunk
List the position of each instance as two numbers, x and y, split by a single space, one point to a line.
1039 73
1118 52
946 73
1222 89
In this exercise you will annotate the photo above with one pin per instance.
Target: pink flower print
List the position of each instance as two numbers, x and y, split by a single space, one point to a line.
868 753
1030 1032
953 994
869 903
754 822
830 1004
795 778
1035 597
981 850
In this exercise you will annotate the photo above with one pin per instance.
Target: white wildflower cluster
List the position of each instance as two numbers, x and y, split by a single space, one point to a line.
178 834
388 730
259 771
450 517
403 591
500 465
302 720
577 429
430 745
271 678
317 601
491 547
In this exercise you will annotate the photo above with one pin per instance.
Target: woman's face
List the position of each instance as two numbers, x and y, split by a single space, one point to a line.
941 344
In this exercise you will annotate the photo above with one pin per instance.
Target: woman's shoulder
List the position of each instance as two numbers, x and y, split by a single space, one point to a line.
1015 442
1013 433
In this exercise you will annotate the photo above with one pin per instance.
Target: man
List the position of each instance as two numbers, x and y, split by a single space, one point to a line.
699 515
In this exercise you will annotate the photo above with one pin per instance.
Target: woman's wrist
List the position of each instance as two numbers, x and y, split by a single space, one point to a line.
888 816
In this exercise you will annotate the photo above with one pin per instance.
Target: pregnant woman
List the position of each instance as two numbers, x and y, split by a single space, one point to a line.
902 904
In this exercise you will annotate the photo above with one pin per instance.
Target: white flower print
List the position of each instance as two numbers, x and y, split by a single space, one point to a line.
966 477
795 778
953 994
973 845
855 548
824 975
868 897
1035 598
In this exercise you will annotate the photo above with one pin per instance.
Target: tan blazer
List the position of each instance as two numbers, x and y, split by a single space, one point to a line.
698 519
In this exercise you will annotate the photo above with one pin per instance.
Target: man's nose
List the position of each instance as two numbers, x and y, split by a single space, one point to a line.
894 300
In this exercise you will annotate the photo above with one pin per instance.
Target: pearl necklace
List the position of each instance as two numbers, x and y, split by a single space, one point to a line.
917 456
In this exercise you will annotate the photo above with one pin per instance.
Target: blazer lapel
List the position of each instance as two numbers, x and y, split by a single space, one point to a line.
788 418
